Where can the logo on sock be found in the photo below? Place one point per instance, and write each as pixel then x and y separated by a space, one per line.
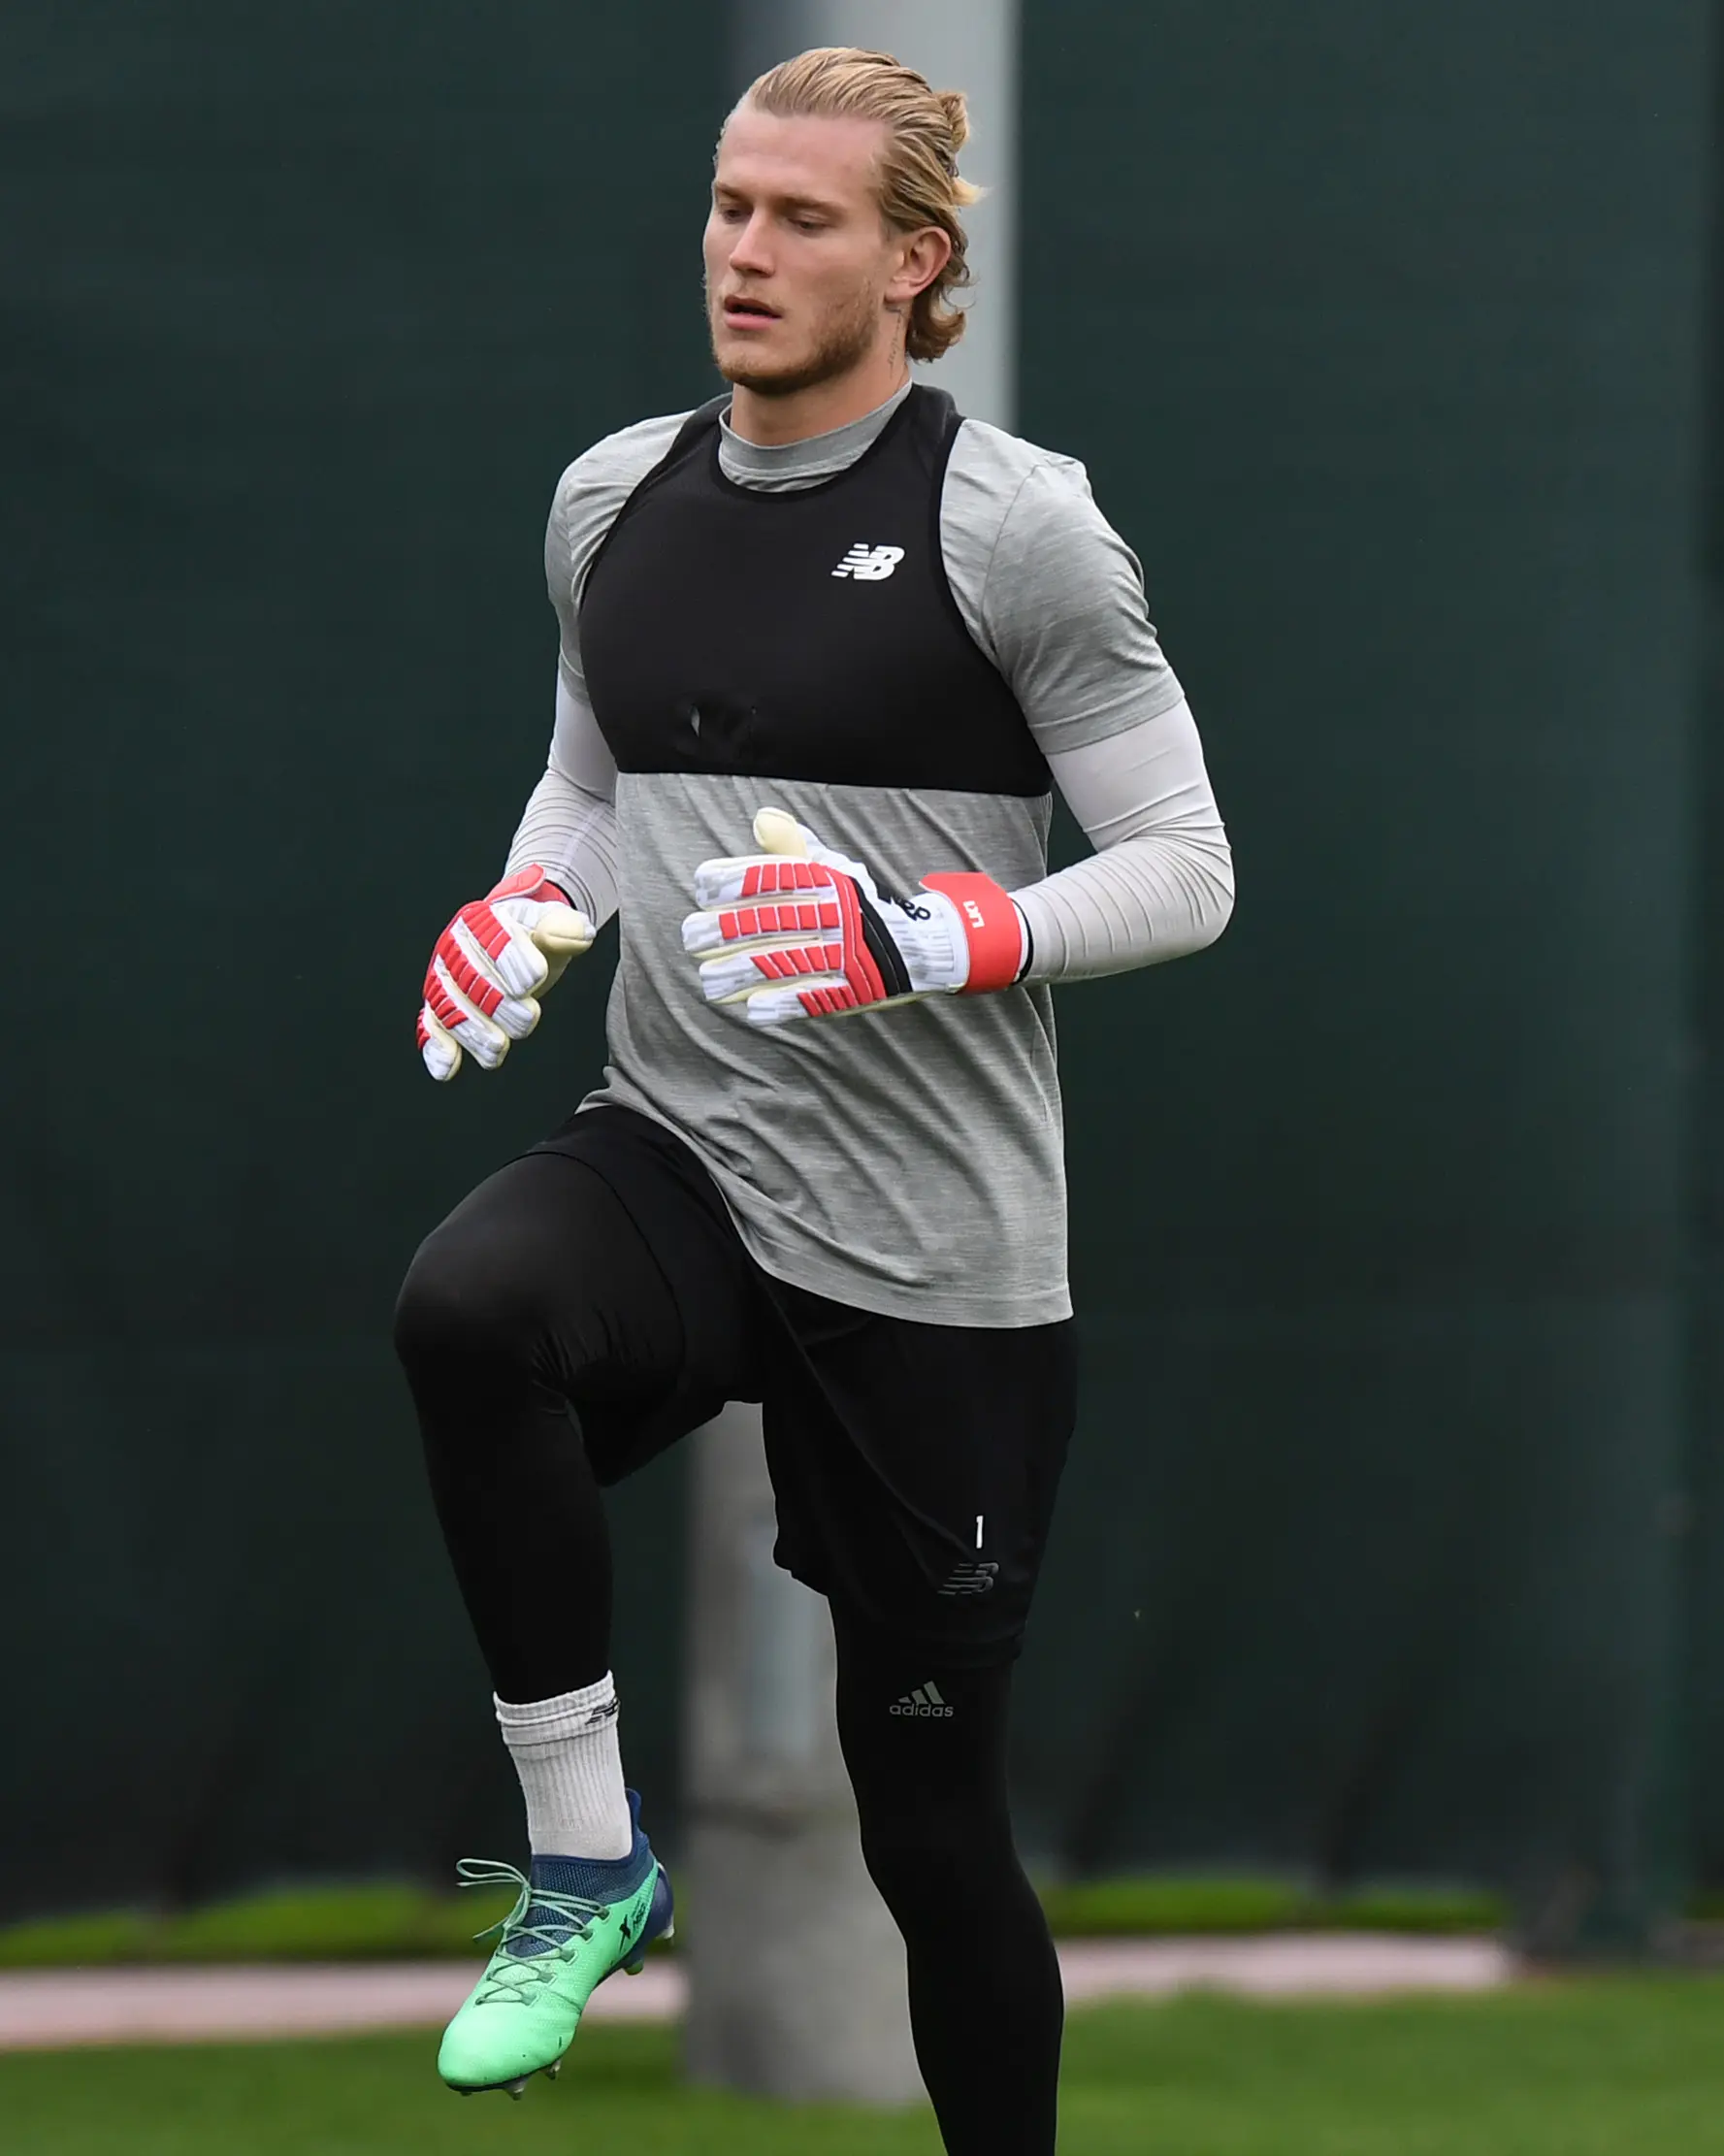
pixel 605 1712
pixel 924 1704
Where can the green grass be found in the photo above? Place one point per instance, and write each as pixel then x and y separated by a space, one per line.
pixel 1169 1907
pixel 387 1923
pixel 1619 2066
pixel 339 1923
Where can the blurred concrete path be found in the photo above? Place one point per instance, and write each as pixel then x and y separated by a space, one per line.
pixel 54 2009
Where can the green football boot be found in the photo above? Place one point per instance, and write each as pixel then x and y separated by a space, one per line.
pixel 575 1921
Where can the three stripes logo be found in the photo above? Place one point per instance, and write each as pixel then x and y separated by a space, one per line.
pixel 924 1704
pixel 869 565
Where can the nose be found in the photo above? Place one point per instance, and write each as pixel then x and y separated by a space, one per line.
pixel 749 256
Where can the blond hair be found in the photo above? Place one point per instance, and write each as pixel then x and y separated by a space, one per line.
pixel 918 178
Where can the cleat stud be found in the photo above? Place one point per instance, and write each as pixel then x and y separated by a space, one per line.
pixel 635 1967
pixel 552 2070
pixel 670 1930
pixel 517 2089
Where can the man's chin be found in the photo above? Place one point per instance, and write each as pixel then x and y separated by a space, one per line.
pixel 745 369
pixel 760 385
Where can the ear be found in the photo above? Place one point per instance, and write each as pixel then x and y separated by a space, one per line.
pixel 922 256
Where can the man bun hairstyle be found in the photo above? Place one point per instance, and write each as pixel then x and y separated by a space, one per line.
pixel 918 178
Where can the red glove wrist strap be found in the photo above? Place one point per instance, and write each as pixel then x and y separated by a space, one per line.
pixel 530 882
pixel 992 926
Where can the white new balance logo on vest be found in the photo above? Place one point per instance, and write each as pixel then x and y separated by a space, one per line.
pixel 872 564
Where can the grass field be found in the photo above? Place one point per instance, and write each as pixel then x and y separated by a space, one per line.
pixel 398 1921
pixel 1619 2066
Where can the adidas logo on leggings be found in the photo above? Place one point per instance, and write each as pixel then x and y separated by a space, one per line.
pixel 924 1701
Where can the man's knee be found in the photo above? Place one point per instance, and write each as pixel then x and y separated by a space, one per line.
pixel 930 1805
pixel 905 1846
pixel 459 1303
pixel 922 1854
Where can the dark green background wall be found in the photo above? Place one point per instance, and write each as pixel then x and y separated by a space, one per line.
pixel 1379 329
pixel 1381 332
pixel 1703 1511
pixel 305 310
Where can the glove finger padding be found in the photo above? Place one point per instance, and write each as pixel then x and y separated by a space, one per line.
pixel 437 1047
pixel 469 1027
pixel 490 965
pixel 804 931
pixel 781 840
pixel 481 985
pixel 496 943
pixel 772 902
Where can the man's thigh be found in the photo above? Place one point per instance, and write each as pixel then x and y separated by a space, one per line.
pixel 672 1312
pixel 591 1270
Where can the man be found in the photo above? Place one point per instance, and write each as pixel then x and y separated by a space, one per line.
pixel 825 650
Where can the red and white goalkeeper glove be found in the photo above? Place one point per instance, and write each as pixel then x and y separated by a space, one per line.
pixel 798 930
pixel 491 964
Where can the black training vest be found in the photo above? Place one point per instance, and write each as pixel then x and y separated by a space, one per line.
pixel 802 635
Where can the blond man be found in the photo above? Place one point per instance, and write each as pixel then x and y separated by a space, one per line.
pixel 827 649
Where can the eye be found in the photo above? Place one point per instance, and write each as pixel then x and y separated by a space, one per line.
pixel 809 224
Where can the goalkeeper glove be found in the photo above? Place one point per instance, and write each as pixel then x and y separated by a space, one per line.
pixel 491 964
pixel 798 931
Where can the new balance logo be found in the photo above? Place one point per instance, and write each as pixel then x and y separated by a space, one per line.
pixel 871 564
pixel 925 1702
pixel 970 1578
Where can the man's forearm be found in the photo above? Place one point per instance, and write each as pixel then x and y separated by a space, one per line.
pixel 569 825
pixel 1160 885
pixel 572 833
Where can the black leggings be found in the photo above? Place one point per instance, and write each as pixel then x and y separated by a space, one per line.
pixel 540 1295
pixel 985 2005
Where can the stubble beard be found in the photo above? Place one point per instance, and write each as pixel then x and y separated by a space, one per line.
pixel 846 337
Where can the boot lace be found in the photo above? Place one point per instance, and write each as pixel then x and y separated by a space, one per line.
pixel 561 1923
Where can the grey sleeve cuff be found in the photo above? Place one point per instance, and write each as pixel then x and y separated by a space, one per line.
pixel 1160 885
pixel 570 827
pixel 572 837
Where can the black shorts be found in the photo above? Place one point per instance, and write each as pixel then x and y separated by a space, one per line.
pixel 914 1466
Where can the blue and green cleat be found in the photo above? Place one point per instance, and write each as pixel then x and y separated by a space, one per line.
pixel 575 1921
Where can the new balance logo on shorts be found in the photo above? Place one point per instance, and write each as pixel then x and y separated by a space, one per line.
pixel 871 564
pixel 970 1578
pixel 925 1702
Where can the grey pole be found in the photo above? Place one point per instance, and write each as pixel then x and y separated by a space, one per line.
pixel 796 1972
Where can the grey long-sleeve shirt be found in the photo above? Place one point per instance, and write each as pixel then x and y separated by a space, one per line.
pixel 1054 598
pixel 1051 594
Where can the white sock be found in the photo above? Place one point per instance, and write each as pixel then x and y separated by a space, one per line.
pixel 565 1752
